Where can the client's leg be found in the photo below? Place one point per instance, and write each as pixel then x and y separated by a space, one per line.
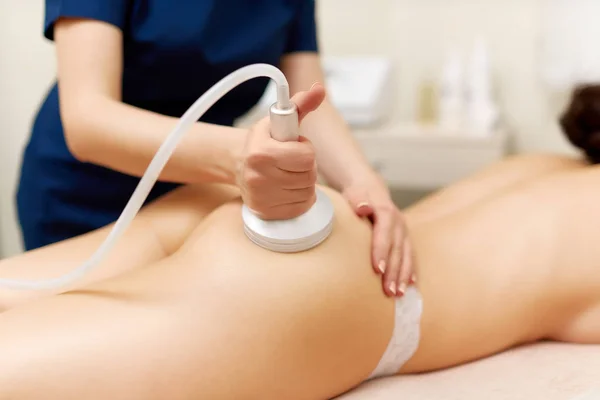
pixel 489 182
pixel 158 230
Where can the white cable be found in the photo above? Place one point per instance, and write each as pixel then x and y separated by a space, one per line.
pixel 191 116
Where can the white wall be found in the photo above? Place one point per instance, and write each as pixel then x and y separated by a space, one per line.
pixel 413 32
pixel 26 69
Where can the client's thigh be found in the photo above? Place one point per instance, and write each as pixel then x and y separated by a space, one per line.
pixel 220 319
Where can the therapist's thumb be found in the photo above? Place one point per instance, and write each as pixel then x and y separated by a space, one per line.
pixel 309 101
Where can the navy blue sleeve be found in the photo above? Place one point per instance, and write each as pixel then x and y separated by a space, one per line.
pixel 111 11
pixel 303 32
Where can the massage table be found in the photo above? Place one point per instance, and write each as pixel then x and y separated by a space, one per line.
pixel 546 371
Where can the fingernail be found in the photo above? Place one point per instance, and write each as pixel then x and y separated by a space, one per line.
pixel 364 204
pixel 413 278
pixel 381 266
pixel 393 287
pixel 402 288
pixel 313 85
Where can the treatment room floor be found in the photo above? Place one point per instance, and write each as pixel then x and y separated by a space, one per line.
pixel 547 371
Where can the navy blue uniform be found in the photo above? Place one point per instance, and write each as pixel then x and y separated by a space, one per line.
pixel 174 50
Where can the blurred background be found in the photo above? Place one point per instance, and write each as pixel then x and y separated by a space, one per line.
pixel 447 86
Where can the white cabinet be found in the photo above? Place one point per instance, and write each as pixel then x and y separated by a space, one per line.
pixel 424 158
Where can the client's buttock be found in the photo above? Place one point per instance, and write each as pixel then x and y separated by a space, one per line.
pixel 324 309
pixel 220 319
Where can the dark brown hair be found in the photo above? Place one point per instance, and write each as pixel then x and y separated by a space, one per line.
pixel 581 121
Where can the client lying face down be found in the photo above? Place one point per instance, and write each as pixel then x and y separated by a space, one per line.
pixel 581 121
pixel 187 307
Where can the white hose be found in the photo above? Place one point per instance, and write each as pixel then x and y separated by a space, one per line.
pixel 191 116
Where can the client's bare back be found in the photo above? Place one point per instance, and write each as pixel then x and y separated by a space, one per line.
pixel 492 181
pixel 511 268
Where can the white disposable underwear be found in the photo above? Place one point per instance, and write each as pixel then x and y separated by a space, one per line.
pixel 406 334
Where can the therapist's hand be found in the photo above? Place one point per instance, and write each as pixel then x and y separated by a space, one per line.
pixel 277 179
pixel 391 250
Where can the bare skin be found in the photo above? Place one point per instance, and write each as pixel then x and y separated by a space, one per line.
pixel 189 307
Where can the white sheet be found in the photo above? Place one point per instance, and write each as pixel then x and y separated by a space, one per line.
pixel 548 371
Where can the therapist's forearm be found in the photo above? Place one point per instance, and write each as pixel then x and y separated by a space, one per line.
pixel 125 138
pixel 339 155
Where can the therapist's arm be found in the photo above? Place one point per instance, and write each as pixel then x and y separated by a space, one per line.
pixel 101 129
pixel 339 156
pixel 345 167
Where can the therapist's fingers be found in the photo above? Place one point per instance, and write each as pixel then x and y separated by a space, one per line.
pixel 297 156
pixel 309 101
pixel 383 236
pixel 277 179
pixel 358 198
pixel 392 273
pixel 406 276
pixel 306 102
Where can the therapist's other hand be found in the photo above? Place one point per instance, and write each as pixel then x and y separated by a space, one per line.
pixel 277 179
pixel 391 250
